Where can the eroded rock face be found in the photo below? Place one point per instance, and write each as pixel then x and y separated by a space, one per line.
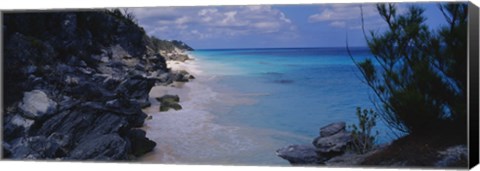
pixel 104 147
pixel 75 90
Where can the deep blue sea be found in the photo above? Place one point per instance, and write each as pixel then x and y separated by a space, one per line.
pixel 294 90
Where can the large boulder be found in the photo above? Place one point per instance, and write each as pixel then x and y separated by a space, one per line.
pixel 169 102
pixel 182 76
pixel 300 154
pixel 332 142
pixel 168 98
pixel 139 143
pixel 36 104
pixel 332 129
pixel 336 143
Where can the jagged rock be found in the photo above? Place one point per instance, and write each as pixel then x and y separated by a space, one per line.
pixel 39 147
pixel 14 125
pixel 333 139
pixel 104 147
pixel 85 84
pixel 180 57
pixel 336 143
pixel 332 128
pixel 36 104
pixel 453 156
pixel 122 106
pixel 140 144
pixel 332 142
pixel 137 87
pixel 90 90
pixel 182 76
pixel 299 154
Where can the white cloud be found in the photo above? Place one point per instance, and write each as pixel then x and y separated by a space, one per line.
pixel 208 22
pixel 350 15
pixel 182 20
pixel 337 12
pixel 339 24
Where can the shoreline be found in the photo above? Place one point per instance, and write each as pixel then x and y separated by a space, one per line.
pixel 192 135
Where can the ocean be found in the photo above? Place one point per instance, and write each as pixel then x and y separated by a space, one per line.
pixel 244 104
pixel 295 90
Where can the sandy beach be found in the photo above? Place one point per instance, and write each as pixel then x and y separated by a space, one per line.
pixel 191 136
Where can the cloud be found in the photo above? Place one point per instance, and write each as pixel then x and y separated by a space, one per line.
pixel 343 12
pixel 340 24
pixel 211 22
pixel 349 16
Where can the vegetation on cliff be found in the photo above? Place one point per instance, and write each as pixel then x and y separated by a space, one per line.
pixel 418 75
pixel 420 83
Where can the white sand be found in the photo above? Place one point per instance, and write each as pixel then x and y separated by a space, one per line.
pixel 190 136
pixel 184 136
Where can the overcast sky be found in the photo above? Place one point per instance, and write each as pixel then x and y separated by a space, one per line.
pixel 269 26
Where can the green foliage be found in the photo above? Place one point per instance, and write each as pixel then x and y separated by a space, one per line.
pixel 420 74
pixel 169 46
pixel 363 137
pixel 125 15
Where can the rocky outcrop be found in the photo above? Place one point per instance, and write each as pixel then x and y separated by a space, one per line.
pixel 182 76
pixel 332 142
pixel 176 57
pixel 350 158
pixel 335 143
pixel 455 156
pixel 75 83
pixel 168 102
pixel 300 154
pixel 332 129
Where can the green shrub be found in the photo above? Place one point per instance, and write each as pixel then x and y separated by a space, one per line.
pixel 362 135
pixel 418 74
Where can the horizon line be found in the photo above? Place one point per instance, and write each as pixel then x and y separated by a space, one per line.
pixel 233 48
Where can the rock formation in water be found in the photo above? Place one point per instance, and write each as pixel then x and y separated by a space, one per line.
pixel 333 141
pixel 331 149
pixel 75 83
pixel 168 102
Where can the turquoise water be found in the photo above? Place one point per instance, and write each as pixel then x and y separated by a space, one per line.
pixel 295 90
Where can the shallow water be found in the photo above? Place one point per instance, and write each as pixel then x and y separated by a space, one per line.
pixel 293 90
pixel 245 104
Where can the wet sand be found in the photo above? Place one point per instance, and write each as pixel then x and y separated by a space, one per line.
pixel 191 135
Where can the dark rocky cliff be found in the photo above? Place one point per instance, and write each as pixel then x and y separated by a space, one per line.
pixel 75 83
